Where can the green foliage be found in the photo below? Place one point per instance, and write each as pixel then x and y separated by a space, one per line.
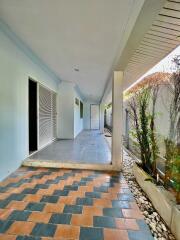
pixel 144 129
pixel 175 172
pixel 172 165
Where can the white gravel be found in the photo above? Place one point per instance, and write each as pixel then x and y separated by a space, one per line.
pixel 157 226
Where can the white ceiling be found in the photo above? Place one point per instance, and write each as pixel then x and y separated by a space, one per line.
pixel 162 37
pixel 67 34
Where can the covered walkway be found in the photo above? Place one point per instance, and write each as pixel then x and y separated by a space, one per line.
pixel 89 147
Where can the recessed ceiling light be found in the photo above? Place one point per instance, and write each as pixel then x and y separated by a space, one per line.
pixel 76 69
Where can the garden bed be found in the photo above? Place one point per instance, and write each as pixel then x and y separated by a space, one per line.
pixel 162 200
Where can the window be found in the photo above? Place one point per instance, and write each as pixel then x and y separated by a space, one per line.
pixel 81 109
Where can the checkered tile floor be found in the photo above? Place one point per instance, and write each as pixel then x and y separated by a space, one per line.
pixel 42 204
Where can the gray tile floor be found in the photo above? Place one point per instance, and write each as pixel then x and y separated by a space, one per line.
pixel 88 147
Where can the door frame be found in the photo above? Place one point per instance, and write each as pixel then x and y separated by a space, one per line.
pixel 54 139
pixel 99 115
pixel 37 122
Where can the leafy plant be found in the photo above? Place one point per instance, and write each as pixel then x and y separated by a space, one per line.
pixel 144 126
pixel 176 177
pixel 172 143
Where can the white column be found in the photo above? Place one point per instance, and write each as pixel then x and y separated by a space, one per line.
pixel 117 120
pixel 102 109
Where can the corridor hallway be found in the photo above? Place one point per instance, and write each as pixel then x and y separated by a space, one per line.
pixel 89 147
pixel 39 204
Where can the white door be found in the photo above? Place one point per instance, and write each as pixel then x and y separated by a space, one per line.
pixel 94 117
pixel 47 116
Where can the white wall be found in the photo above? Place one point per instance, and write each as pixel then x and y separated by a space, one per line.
pixel 78 122
pixel 15 69
pixel 162 120
pixel 87 114
pixel 69 122
pixel 65 111
pixel 86 122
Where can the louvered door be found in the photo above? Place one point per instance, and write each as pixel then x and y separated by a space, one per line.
pixel 54 116
pixel 47 116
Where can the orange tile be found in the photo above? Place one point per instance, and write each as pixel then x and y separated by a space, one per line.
pixel 54 187
pixel 111 196
pixel 45 191
pixel 4 195
pixel 131 224
pixel 18 205
pixel 28 185
pixel 17 190
pixel 21 228
pixel 134 205
pixel 32 198
pixel 85 189
pixel 7 237
pixel 128 224
pixel 132 213
pixel 120 223
pixel 76 194
pixel 54 207
pixel 91 210
pixel 82 220
pixel 4 214
pixel 67 200
pixel 115 189
pixel 102 203
pixel 113 234
pixel 67 231
pixel 40 217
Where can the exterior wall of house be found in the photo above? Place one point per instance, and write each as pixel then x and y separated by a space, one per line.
pixel 108 117
pixel 87 124
pixel 15 69
pixel 78 121
pixel 69 122
pixel 87 114
pixel 65 111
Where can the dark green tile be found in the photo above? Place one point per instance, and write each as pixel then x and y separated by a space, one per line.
pixel 17 215
pixel 61 192
pixel 42 186
pixel 16 197
pixel 125 197
pixel 104 222
pixel 44 230
pixel 4 226
pixel 14 185
pixel 90 233
pixel 52 181
pixel 101 189
pixel 4 203
pixel 61 218
pixel 71 188
pixel 120 204
pixel 81 183
pixel 33 206
pixel 27 238
pixel 3 189
pixel 84 201
pixel 112 212
pixel 138 235
pixel 73 209
pixel 142 225
pixel 49 199
pixel 30 191
pixel 93 194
